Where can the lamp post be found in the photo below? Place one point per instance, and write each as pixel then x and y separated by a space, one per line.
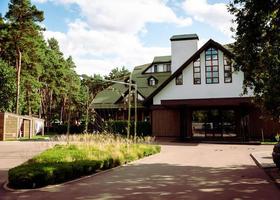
pixel 130 84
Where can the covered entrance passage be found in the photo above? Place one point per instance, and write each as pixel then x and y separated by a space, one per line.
pixel 214 123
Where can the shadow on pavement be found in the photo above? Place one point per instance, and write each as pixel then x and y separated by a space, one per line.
pixel 163 181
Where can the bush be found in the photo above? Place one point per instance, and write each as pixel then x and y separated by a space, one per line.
pixel 62 129
pixel 66 162
pixel 120 127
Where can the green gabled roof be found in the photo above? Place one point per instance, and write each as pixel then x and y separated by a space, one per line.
pixel 142 79
pixel 162 59
pixel 109 97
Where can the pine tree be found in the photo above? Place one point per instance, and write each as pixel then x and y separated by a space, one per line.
pixel 22 18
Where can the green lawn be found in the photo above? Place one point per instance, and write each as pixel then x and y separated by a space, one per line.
pixel 84 155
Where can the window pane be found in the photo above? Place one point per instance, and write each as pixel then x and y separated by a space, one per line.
pixel 225 62
pixel 179 80
pixel 208 52
pixel 168 67
pixel 197 69
pixel 208 80
pixel 214 51
pixel 215 57
pixel 208 69
pixel 197 75
pixel 215 80
pixel 215 74
pixel 208 74
pixel 227 68
pixel 208 57
pixel 215 68
pixel 160 68
pixel 208 63
pixel 197 81
pixel 227 80
pixel 155 68
pixel 215 62
pixel 196 64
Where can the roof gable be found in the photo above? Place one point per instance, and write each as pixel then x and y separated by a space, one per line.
pixel 209 43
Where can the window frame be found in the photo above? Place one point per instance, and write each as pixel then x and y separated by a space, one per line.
pixel 194 72
pixel 227 71
pixel 179 81
pixel 155 68
pixel 212 66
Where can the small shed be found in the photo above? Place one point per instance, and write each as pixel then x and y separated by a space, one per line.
pixel 13 126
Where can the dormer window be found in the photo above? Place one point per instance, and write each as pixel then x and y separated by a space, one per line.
pixel 152 81
pixel 179 79
pixel 158 68
pixel 211 66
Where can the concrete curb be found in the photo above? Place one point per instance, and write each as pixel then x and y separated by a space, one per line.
pixel 7 188
pixel 258 158
pixel 267 169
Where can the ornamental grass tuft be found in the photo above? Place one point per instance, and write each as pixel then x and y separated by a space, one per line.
pixel 82 155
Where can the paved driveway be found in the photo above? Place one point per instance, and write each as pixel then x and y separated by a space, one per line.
pixel 14 153
pixel 180 171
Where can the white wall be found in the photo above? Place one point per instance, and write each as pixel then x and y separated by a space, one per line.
pixel 203 91
pixel 181 51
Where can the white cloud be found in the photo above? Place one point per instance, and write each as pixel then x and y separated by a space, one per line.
pixel 215 14
pixel 109 35
pixel 100 51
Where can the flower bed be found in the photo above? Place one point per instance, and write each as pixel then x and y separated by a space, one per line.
pixel 67 162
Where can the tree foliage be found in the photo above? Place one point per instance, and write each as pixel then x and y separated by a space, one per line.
pixel 257 49
pixel 118 73
pixel 7 85
pixel 38 73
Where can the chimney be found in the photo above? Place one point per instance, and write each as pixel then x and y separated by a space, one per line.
pixel 182 48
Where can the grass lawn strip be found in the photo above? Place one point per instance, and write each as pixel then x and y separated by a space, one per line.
pixel 67 162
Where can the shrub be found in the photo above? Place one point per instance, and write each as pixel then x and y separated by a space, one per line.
pixel 66 162
pixel 120 127
pixel 62 129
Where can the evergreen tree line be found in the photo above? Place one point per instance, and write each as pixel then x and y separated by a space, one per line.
pixel 35 77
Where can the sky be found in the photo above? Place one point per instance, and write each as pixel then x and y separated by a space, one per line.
pixel 103 34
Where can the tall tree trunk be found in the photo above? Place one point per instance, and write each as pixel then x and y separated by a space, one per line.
pixel 18 69
pixel 50 112
pixel 62 110
pixel 28 102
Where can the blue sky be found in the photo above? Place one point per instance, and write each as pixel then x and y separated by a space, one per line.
pixel 103 34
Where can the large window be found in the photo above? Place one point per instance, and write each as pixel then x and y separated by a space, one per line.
pixel 196 72
pixel 211 66
pixel 179 79
pixel 227 70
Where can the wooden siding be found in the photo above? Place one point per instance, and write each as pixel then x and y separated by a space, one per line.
pixel 27 128
pixel 259 123
pixel 11 126
pixel 166 123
